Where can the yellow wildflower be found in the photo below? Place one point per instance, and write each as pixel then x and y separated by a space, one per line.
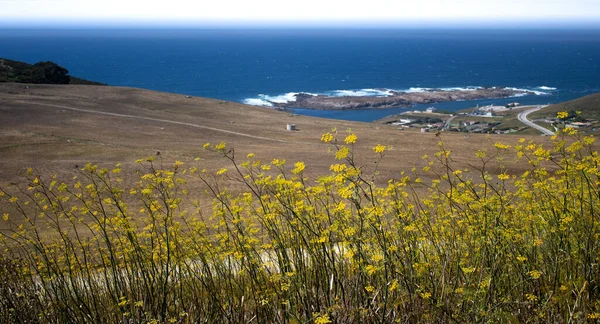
pixel 379 148
pixel 221 146
pixel 299 167
pixel 322 319
pixel 342 153
pixel 327 137
pixel 503 176
pixel 350 139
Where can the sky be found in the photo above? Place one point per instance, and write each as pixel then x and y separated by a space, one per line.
pixel 287 12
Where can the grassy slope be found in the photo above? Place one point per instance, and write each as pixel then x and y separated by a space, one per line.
pixel 38 132
pixel 588 105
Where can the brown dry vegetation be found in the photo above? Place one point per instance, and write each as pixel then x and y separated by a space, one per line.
pixel 516 247
pixel 44 127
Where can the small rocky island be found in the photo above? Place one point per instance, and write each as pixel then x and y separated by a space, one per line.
pixel 398 99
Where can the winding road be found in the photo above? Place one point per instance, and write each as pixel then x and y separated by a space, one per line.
pixel 523 118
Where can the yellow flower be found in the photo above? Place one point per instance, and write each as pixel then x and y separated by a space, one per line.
pixel 503 176
pixel 370 269
pixel 379 148
pixel 350 139
pixel 221 146
pixel 322 319
pixel 480 154
pixel 535 274
pixel 501 146
pixel 377 257
pixel 299 167
pixel 562 114
pixel 222 171
pixel 327 137
pixel 531 297
pixel 342 153
pixel 278 162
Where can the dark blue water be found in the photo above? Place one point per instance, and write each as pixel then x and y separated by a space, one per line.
pixel 242 65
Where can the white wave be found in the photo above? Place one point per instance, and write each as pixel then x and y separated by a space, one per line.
pixel 536 92
pixel 271 100
pixel 419 89
pixel 519 95
pixel 469 88
pixel 257 102
pixel 546 88
pixel 412 90
pixel 360 93
pixel 283 98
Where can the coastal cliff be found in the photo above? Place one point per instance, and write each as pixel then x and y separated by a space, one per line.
pixel 397 99
pixel 38 73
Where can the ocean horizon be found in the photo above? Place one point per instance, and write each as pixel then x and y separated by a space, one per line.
pixel 263 66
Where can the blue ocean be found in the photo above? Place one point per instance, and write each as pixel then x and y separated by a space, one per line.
pixel 259 66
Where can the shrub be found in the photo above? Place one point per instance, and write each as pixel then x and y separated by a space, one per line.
pixel 475 247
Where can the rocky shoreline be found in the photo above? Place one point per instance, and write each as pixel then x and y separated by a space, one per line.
pixel 397 99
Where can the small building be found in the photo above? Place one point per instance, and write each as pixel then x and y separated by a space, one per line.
pixel 431 110
pixel 291 127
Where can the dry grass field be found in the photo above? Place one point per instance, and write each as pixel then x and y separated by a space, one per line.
pixel 304 243
pixel 53 128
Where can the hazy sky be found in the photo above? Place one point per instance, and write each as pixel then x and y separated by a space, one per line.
pixel 290 12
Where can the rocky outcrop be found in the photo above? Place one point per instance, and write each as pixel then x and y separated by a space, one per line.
pixel 38 73
pixel 397 99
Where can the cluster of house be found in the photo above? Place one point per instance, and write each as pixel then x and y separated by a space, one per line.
pixel 476 127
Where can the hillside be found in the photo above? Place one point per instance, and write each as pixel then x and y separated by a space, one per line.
pixel 55 127
pixel 170 237
pixel 589 106
pixel 38 73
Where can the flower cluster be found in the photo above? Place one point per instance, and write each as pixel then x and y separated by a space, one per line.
pixel 276 246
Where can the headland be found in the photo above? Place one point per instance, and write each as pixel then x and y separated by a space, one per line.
pixel 397 99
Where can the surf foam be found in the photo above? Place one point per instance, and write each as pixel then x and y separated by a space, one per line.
pixel 270 100
pixel 257 102
pixel 360 93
